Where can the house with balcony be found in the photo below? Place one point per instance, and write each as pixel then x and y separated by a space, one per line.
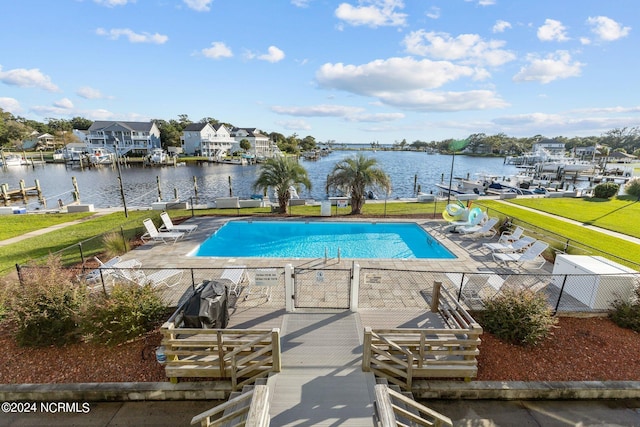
pixel 551 146
pixel 131 137
pixel 207 140
pixel 39 141
pixel 260 144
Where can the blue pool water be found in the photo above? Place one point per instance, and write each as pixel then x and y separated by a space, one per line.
pixel 296 239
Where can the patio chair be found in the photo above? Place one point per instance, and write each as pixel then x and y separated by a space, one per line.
pixel 94 276
pixel 167 225
pixel 482 230
pixel 154 235
pixel 511 236
pixel 236 275
pixel 476 286
pixel 530 255
pixel 168 277
pixel 516 246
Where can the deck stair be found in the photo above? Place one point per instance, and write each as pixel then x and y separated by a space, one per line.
pixel 393 407
pixel 249 407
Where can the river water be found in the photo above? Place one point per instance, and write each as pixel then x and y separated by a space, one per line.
pixel 100 186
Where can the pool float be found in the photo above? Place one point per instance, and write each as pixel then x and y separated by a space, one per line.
pixel 455 212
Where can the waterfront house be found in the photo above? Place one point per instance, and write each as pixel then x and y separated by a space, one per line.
pixel 205 139
pixel 551 146
pixel 260 144
pixel 40 141
pixel 131 137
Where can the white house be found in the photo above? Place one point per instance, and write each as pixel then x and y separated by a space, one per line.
pixel 130 136
pixel 212 141
pixel 260 144
pixel 549 145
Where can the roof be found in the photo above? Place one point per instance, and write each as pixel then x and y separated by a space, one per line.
pixel 134 126
pixel 195 127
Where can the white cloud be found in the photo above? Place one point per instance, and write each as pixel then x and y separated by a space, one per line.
pixel 294 124
pixel 87 92
pixel 468 48
pixel 10 104
pixel 132 36
pixel 112 3
pixel 376 117
pixel 433 12
pixel 500 26
pixel 483 2
pixel 606 29
pixel 300 3
pixel 390 75
pixel 217 50
pixel 552 30
pixel 64 103
pixel 274 55
pixel 323 110
pixel 22 77
pixel 199 5
pixel 372 13
pixel 558 65
pixel 422 100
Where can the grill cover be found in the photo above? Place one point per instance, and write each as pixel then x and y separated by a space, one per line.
pixel 208 307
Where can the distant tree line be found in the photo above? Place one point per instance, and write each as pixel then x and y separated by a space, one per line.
pixel 15 129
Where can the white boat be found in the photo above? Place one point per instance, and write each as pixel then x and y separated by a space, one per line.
pixel 12 160
pixel 100 156
pixel 464 186
pixel 158 155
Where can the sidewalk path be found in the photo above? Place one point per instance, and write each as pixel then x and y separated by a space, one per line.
pixel 571 221
pixel 46 230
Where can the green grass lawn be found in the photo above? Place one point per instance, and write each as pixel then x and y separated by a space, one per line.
pixel 564 231
pixel 17 225
pixel 616 214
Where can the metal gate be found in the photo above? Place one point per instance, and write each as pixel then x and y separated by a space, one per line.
pixel 322 288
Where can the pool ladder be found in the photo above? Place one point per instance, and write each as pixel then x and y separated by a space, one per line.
pixel 326 254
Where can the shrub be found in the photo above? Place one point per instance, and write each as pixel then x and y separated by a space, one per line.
pixel 606 190
pixel 632 187
pixel 519 316
pixel 115 244
pixel 128 312
pixel 626 313
pixel 46 306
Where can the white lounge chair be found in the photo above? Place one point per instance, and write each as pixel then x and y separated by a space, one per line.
pixel 517 246
pixel 511 236
pixel 168 277
pixel 236 275
pixel 94 275
pixel 154 235
pixel 532 254
pixel 167 225
pixel 482 230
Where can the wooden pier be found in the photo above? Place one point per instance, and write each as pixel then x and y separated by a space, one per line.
pixel 23 192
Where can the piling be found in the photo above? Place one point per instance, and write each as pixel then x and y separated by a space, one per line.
pixel 159 190
pixel 76 191
pixel 230 187
pixel 195 188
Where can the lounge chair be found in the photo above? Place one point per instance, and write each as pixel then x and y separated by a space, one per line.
pixel 530 255
pixel 476 286
pixel 516 246
pixel 167 225
pixel 154 235
pixel 481 230
pixel 511 236
pixel 94 275
pixel 168 277
pixel 236 275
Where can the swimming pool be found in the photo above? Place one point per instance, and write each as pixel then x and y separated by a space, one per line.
pixel 297 239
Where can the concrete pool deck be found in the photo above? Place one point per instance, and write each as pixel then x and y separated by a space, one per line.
pixel 158 255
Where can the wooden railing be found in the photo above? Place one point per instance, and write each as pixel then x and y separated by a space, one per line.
pixel 394 409
pixel 249 409
pixel 400 355
pixel 240 355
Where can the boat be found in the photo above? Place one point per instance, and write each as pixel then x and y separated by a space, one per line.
pixel 157 156
pixel 101 156
pixel 464 186
pixel 12 160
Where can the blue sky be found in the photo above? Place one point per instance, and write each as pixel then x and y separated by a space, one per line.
pixel 353 71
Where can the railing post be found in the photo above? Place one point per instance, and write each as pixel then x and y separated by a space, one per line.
pixel 19 271
pixel 355 287
pixel 277 351
pixel 366 349
pixel 435 298
pixel 564 281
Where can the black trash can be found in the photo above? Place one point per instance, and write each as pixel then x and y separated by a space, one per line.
pixel 208 307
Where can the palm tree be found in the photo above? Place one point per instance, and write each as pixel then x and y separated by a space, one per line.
pixel 355 174
pixel 281 174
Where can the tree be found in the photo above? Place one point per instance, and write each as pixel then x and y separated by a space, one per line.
pixel 80 123
pixel 308 143
pixel 245 144
pixel 281 174
pixel 356 174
